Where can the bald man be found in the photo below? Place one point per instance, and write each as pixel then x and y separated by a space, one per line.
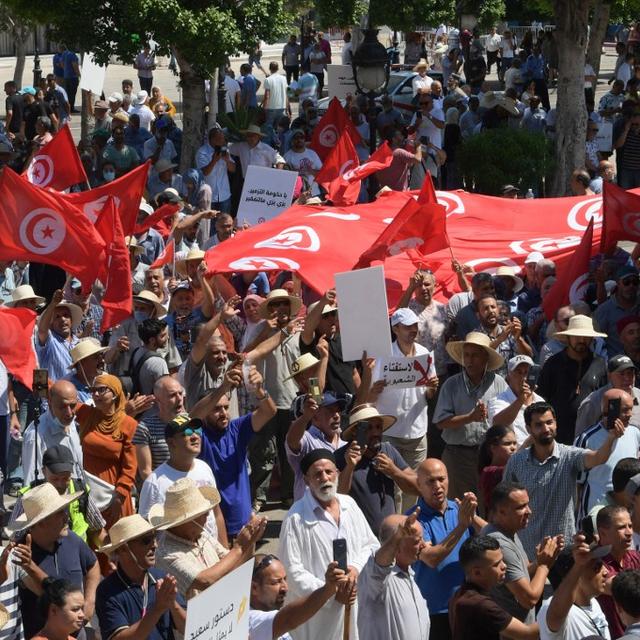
pixel 446 525
pixel 391 605
pixel 57 425
pixel 597 481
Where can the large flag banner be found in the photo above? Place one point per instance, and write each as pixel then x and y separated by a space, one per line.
pixel 621 216
pixel 127 192
pixel 41 226
pixel 16 343
pixel 329 129
pixel 57 165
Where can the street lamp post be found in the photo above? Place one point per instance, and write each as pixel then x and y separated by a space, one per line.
pixel 37 71
pixel 371 75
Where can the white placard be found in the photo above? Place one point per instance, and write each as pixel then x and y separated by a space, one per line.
pixel 92 75
pixel 401 373
pixel 362 310
pixel 222 610
pixel 340 81
pixel 266 193
pixel 604 137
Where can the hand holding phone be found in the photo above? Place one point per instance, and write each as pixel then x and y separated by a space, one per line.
pixel 613 412
pixel 362 434
pixel 340 553
pixel 314 390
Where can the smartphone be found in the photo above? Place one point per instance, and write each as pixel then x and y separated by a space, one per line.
pixel 532 376
pixel 340 553
pixel 314 390
pixel 586 526
pixel 613 412
pixel 424 140
pixel 362 434
pixel 41 382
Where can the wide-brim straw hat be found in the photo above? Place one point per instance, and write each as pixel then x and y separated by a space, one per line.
pixel 366 413
pixel 148 297
pixel 303 363
pixel 421 64
pixel 455 349
pixel 508 272
pixel 40 503
pixel 580 326
pixel 132 244
pixel 280 294
pixel 21 293
pixel 253 128
pixel 491 100
pixel 74 310
pixel 326 309
pixel 84 349
pixel 193 254
pixel 125 530
pixel 183 502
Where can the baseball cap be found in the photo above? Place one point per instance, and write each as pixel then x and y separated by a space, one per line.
pixel 620 363
pixel 163 122
pixel 534 256
pixel 329 399
pixel 101 104
pixel 58 459
pixel 181 422
pixel 146 207
pixel 517 360
pixel 404 317
pixel 625 271
pixel 115 97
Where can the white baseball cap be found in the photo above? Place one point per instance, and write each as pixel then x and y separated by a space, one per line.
pixel 519 359
pixel 534 256
pixel 404 316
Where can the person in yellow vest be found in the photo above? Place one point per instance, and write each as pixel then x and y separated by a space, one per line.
pixel 84 517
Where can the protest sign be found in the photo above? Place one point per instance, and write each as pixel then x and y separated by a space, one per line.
pixel 362 310
pixel 222 610
pixel 340 81
pixel 401 373
pixel 92 75
pixel 266 193
pixel 604 137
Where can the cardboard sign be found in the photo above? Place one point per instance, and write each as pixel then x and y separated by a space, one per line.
pixel 402 373
pixel 604 137
pixel 362 310
pixel 340 81
pixel 92 75
pixel 222 610
pixel 266 193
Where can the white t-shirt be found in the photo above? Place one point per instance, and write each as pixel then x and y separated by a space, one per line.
pixel 493 42
pixel 145 114
pixel 420 82
pixel 579 623
pixel 261 625
pixel 276 83
pixel 232 87
pixel 347 53
pixel 507 47
pixel 304 162
pixel 502 401
pixel 427 128
pixel 588 71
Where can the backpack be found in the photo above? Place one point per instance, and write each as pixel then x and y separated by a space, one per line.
pixel 131 380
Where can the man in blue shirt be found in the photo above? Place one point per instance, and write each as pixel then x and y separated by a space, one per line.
pixel 446 525
pixel 137 600
pixel 71 65
pixel 249 90
pixel 225 442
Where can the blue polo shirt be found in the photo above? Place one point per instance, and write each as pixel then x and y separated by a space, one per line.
pixel 55 354
pixel 119 605
pixel 225 451
pixel 70 560
pixel 248 91
pixel 68 60
pixel 439 584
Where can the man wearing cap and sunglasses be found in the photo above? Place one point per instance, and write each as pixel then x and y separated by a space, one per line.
pixel 137 600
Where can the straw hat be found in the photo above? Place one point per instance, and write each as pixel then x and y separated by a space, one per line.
pixel 252 128
pixel 491 100
pixel 40 503
pixel 148 297
pixel 184 501
pixel 84 349
pixel 21 293
pixel 74 310
pixel 454 349
pixel 304 362
pixel 581 326
pixel 422 64
pixel 508 272
pixel 132 244
pixel 366 413
pixel 326 309
pixel 193 254
pixel 280 294
pixel 125 530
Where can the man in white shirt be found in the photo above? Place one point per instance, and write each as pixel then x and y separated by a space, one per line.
pixel 216 163
pixel 306 546
pixel 232 87
pixel 507 408
pixel 625 71
pixel 305 161
pixel 254 151
pixel 276 100
pixel 429 121
pixel 140 106
pixel 422 82
pixel 347 49
pixel 492 45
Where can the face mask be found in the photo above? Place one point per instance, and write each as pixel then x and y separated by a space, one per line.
pixel 109 175
pixel 140 316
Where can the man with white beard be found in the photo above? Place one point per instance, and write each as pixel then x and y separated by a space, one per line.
pixel 306 546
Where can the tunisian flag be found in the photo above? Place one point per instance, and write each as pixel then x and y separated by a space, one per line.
pixel 156 220
pixel 620 216
pixel 573 278
pixel 127 192
pixel 167 256
pixel 116 270
pixel 16 343
pixel 330 127
pixel 41 226
pixel 57 165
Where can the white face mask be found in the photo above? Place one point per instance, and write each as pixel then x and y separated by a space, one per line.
pixel 109 176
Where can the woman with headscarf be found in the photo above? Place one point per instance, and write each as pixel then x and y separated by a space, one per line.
pixel 106 434
pixel 159 103
pixel 196 194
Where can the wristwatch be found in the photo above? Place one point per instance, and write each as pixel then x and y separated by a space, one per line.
pixel 264 397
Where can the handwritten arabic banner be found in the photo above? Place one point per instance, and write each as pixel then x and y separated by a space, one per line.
pixel 266 193
pixel 401 373
pixel 221 612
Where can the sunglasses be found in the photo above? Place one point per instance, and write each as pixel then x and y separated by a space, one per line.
pixel 99 391
pixel 190 432
pixel 631 281
pixel 147 540
pixel 263 564
pixel 278 303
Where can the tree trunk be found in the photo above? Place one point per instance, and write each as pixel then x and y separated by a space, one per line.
pixel 571 17
pixel 213 99
pixel 193 116
pixel 20 34
pixel 599 24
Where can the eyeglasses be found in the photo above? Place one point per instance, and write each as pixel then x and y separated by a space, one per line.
pixel 188 432
pixel 263 564
pixel 99 391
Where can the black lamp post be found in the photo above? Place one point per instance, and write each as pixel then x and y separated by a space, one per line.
pixel 371 75
pixel 37 71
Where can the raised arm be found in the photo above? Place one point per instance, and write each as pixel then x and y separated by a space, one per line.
pixel 299 425
pixel 594 458
pixel 199 349
pixel 47 317
pixel 266 408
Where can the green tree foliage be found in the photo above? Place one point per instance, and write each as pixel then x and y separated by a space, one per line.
pixel 405 16
pixel 340 13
